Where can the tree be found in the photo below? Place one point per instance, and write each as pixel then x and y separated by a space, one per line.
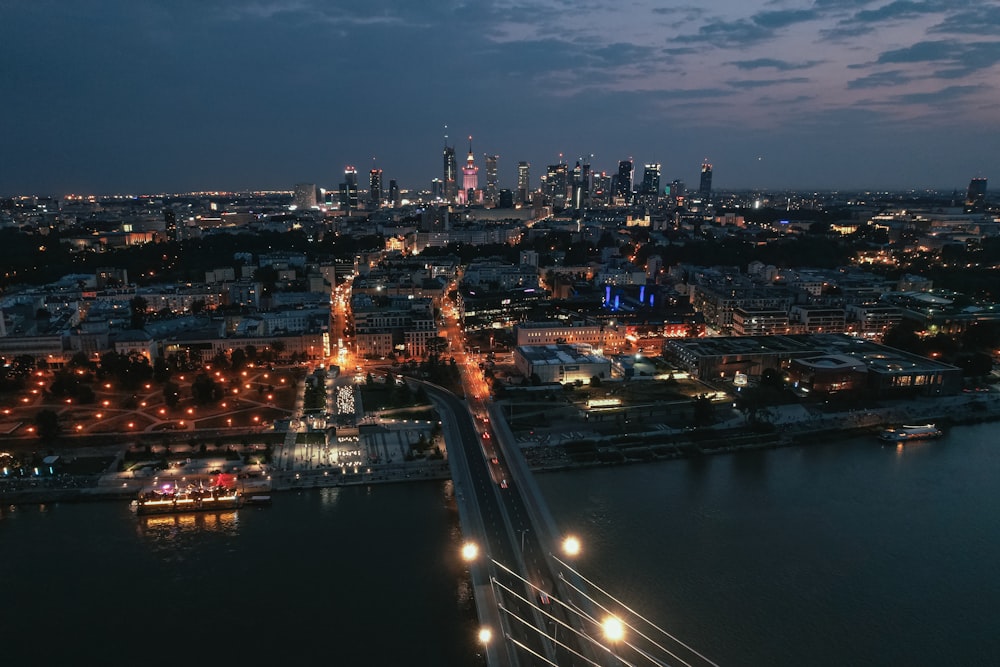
pixel 137 308
pixel 47 424
pixel 703 410
pixel 205 390
pixel 437 345
pixel 171 394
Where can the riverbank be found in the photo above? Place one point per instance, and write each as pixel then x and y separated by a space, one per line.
pixel 791 426
pixel 568 449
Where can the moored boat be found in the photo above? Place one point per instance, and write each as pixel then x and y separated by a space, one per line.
pixel 905 433
pixel 169 499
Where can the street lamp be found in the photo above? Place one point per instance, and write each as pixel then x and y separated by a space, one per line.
pixel 571 546
pixel 614 629
pixel 470 551
pixel 485 635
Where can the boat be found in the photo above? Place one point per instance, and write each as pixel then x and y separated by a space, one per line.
pixel 906 433
pixel 170 499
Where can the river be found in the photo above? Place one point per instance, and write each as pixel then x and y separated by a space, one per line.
pixel 847 553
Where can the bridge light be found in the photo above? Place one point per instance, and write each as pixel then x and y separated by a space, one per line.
pixel 571 546
pixel 485 635
pixel 470 552
pixel 614 629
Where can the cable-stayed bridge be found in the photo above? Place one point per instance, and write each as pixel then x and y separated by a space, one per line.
pixel 535 607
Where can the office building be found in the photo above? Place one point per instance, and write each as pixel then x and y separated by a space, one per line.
pixel 375 188
pixel 977 192
pixel 523 181
pixel 705 187
pixel 349 189
pixel 450 182
pixel 490 196
pixel 651 183
pixel 305 196
pixel 393 192
pixel 623 186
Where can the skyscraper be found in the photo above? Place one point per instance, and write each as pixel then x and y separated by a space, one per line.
pixel 349 189
pixel 375 188
pixel 393 192
pixel 651 183
pixel 977 192
pixel 305 196
pixel 557 184
pixel 491 193
pixel 169 228
pixel 523 181
pixel 450 181
pixel 705 187
pixel 470 180
pixel 624 184
pixel 601 190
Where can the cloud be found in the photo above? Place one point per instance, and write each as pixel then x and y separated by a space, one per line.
pixel 956 58
pixel 784 18
pixel 782 65
pixel 728 34
pixel 763 83
pixel 983 20
pixel 902 9
pixel 945 95
pixel 893 77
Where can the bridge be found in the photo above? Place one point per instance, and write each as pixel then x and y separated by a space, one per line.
pixel 534 606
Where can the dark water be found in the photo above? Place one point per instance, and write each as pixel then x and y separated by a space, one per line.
pixel 836 554
pixel 351 576
pixel 841 554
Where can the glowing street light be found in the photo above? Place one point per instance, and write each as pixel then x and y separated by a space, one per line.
pixel 485 635
pixel 470 551
pixel 614 629
pixel 571 546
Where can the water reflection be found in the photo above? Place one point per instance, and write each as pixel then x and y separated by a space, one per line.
pixel 329 496
pixel 171 527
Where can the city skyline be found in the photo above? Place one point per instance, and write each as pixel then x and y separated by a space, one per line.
pixel 786 94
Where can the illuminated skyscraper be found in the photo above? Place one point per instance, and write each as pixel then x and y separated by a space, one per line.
pixel 169 228
pixel 557 184
pixel 651 183
pixel 601 190
pixel 393 192
pixel 977 192
pixel 470 180
pixel 491 193
pixel 705 187
pixel 375 188
pixel 349 189
pixel 305 196
pixel 523 181
pixel 623 187
pixel 450 183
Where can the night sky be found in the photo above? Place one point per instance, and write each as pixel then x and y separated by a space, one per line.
pixel 106 96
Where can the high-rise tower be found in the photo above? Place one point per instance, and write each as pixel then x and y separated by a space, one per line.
pixel 651 183
pixel 450 181
pixel 624 184
pixel 305 196
pixel 491 194
pixel 523 181
pixel 705 187
pixel 349 189
pixel 375 188
pixel 393 192
pixel 977 192
pixel 470 180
